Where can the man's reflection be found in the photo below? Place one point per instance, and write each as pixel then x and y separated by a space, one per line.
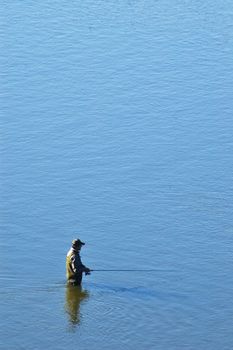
pixel 75 295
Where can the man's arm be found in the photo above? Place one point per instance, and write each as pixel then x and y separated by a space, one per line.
pixel 79 266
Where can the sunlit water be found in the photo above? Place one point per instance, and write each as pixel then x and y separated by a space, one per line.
pixel 116 127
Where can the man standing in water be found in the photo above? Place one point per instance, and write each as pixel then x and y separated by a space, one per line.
pixel 74 265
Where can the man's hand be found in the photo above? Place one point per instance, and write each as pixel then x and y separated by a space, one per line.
pixel 87 271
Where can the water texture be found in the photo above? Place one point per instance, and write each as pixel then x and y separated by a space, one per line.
pixel 116 127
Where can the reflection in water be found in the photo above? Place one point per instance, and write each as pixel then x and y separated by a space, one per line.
pixel 75 295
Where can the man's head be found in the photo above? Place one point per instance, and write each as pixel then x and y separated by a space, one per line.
pixel 77 244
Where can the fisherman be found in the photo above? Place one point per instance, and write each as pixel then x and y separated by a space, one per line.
pixel 74 265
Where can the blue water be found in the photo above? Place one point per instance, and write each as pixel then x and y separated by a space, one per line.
pixel 116 127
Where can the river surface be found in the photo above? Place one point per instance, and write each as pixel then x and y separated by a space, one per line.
pixel 116 128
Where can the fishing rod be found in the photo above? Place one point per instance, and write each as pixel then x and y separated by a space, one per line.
pixel 129 270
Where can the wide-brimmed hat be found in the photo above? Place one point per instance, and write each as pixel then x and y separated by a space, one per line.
pixel 77 243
